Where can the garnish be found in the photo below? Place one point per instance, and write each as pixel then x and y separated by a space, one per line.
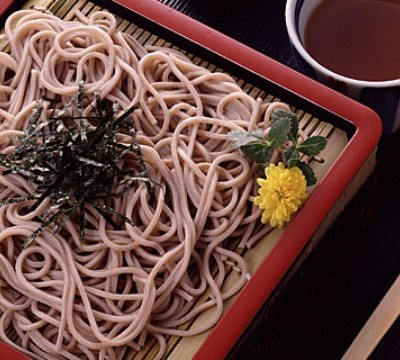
pixel 281 194
pixel 285 188
pixel 74 163
pixel 282 136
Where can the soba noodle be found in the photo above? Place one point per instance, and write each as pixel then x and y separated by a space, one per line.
pixel 60 298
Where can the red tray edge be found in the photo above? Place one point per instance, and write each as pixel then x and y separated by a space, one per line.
pixel 368 132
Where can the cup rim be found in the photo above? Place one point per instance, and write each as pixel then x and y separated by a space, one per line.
pixel 297 43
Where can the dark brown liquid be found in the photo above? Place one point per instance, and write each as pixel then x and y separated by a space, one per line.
pixel 356 38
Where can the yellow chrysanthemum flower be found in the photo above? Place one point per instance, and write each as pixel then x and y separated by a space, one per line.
pixel 281 194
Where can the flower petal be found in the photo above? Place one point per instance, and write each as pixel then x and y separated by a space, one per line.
pixel 281 194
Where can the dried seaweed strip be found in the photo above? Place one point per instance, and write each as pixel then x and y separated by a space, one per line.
pixel 73 164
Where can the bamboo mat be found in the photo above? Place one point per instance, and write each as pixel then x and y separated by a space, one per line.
pixel 184 348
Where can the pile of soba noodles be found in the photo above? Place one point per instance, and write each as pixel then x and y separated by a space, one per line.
pixel 105 297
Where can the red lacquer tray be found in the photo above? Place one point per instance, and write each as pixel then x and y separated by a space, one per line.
pixel 360 123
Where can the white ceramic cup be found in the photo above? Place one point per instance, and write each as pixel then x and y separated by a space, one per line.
pixel 381 96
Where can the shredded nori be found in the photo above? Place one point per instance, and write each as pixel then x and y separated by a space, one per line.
pixel 74 164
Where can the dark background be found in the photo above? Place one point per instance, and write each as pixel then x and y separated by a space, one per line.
pixel 324 306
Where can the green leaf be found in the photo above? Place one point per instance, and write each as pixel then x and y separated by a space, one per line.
pixel 292 162
pixel 313 145
pixel 260 153
pixel 307 171
pixel 242 137
pixel 278 133
pixel 290 154
pixel 279 114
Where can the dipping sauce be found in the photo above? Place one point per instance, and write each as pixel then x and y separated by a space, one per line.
pixel 359 39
